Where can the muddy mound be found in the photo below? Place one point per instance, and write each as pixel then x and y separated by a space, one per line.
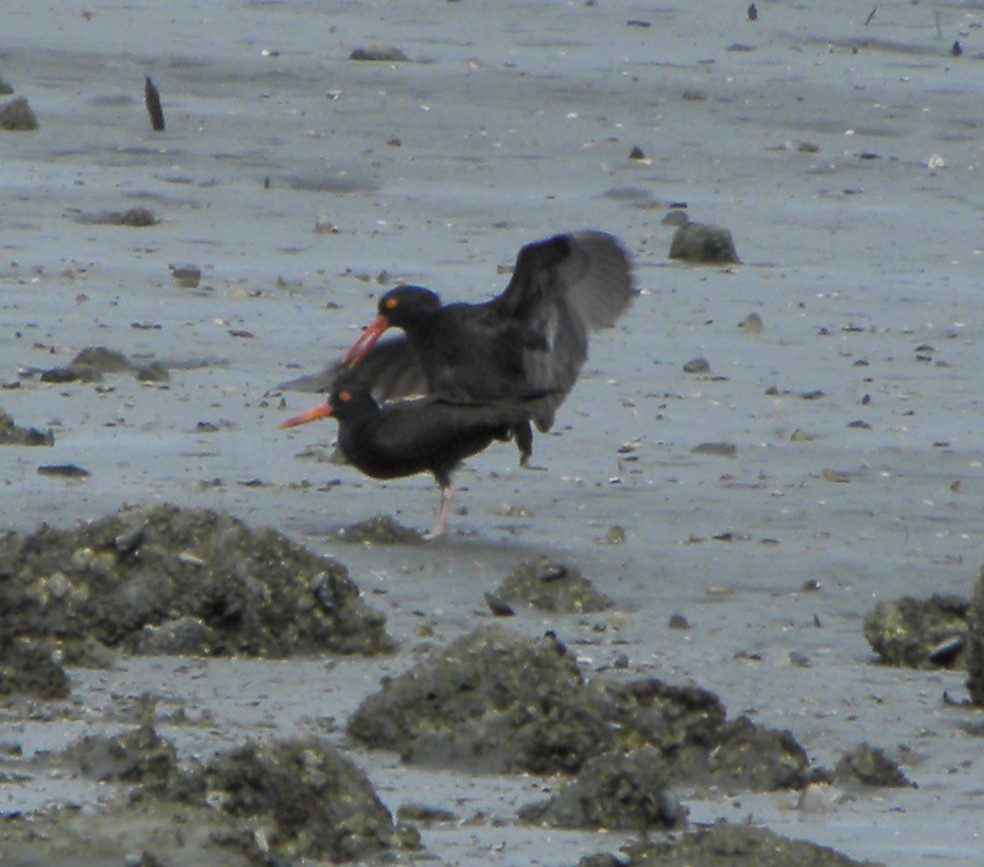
pixel 920 633
pixel 727 845
pixel 614 791
pixel 447 703
pixel 306 799
pixel 495 702
pixel 128 579
pixel 975 644
pixel 379 530
pixel 93 362
pixel 12 434
pixel 253 805
pixel 869 766
pixel 633 790
pixel 551 586
pixel 28 669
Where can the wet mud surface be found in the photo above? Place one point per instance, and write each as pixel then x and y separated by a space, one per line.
pixel 212 650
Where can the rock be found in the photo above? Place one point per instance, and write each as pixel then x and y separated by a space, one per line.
pixel 703 244
pixel 136 756
pixel 751 324
pixel 614 791
pixel 186 276
pixel 494 702
pixel 870 767
pixel 920 633
pixel 102 359
pixel 256 592
pixel 29 669
pixel 64 471
pixel 13 435
pixel 152 101
pixel 93 362
pixel 383 53
pixel 281 803
pixel 726 845
pixel 697 365
pixel 306 797
pixel 719 449
pixel 17 116
pixel 139 217
pixel 184 636
pixel 975 644
pixel 379 530
pixel 152 372
pixel 552 586
pixel 424 813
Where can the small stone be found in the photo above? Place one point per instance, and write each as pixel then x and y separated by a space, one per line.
pixel 59 585
pixel 704 244
pixel 499 607
pixel 186 276
pixel 380 53
pixel 675 217
pixel 423 813
pixel 697 365
pixel 721 449
pixel 324 226
pixel 65 471
pixel 751 323
pixel 815 798
pixel 17 116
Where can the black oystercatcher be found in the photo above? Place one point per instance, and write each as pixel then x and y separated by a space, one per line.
pixel 428 434
pixel 531 338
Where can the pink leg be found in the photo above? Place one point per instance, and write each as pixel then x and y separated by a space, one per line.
pixel 441 524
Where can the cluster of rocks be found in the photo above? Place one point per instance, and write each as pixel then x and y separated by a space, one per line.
pixel 253 805
pixel 92 363
pixel 160 579
pixel 944 631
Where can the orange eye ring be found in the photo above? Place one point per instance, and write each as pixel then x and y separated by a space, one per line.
pixel 345 395
pixel 391 303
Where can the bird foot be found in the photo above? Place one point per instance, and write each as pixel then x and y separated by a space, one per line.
pixel 433 533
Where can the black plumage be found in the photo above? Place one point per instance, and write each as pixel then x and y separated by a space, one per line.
pixel 532 338
pixel 401 438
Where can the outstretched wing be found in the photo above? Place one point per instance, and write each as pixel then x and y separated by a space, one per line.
pixel 389 370
pixel 561 289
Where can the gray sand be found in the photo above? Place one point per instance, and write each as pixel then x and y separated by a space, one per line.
pixel 861 252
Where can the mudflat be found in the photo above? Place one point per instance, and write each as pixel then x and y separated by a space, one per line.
pixel 826 456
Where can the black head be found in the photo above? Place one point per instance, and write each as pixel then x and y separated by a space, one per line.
pixel 407 304
pixel 351 400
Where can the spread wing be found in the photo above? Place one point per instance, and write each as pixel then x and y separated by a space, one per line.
pixel 389 370
pixel 562 288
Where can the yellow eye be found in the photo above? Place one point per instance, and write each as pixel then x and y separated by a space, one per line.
pixel 344 396
pixel 390 303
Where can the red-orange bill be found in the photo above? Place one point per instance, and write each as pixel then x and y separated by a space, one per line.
pixel 366 340
pixel 316 412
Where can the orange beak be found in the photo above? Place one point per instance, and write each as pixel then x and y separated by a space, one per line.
pixel 366 341
pixel 320 411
